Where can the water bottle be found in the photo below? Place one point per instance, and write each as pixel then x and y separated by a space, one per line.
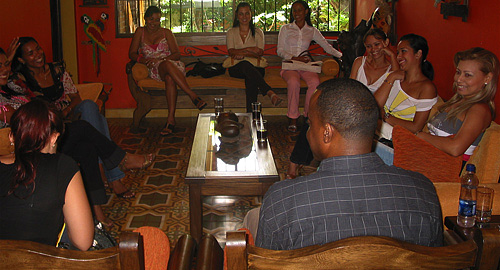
pixel 467 204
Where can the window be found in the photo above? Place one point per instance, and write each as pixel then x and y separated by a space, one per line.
pixel 202 16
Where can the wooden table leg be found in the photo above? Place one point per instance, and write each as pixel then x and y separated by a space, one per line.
pixel 195 212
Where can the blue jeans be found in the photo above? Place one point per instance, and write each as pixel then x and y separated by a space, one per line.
pixel 386 153
pixel 89 112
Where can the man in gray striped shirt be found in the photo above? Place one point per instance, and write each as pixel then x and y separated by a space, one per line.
pixel 353 193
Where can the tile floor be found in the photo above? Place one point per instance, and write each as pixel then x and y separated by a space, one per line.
pixel 162 198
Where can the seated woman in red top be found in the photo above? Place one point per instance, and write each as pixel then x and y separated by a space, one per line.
pixel 39 188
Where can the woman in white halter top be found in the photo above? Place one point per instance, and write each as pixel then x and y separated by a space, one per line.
pixel 372 69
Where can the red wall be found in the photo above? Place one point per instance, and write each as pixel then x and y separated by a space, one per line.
pixel 446 37
pixel 113 60
pixel 26 18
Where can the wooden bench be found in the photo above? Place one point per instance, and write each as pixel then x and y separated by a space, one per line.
pixel 18 254
pixel 150 94
pixel 362 252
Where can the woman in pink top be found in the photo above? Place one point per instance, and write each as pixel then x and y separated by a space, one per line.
pixel 157 48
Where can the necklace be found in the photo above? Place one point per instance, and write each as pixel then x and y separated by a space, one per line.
pixel 243 33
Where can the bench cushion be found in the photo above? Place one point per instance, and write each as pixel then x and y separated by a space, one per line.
pixel 272 77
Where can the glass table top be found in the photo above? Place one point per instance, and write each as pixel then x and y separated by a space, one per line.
pixel 215 156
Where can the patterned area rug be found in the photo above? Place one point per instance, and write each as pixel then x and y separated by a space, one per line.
pixel 162 197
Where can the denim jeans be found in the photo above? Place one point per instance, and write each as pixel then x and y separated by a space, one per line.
pixel 386 153
pixel 89 112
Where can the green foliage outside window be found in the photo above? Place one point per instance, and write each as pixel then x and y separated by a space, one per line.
pixel 197 16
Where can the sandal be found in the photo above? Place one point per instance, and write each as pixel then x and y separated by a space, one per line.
pixel 126 194
pixel 275 100
pixel 167 130
pixel 199 103
pixel 148 160
pixel 107 223
pixel 292 125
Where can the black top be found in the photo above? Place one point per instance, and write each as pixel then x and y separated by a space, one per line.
pixel 38 217
pixel 350 196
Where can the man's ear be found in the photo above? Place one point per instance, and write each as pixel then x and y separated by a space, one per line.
pixel 328 133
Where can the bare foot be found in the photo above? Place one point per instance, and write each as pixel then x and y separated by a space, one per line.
pixel 292 170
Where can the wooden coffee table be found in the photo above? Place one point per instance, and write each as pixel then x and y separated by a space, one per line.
pixel 234 167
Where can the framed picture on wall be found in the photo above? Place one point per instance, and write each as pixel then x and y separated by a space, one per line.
pixel 90 3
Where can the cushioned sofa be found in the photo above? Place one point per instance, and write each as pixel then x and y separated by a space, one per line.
pixel 150 94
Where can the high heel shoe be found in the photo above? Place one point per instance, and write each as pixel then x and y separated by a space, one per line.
pixel 148 160
pixel 167 130
pixel 275 100
pixel 199 103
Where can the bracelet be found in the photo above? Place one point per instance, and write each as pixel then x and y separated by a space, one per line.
pixel 386 116
pixel 386 81
pixel 416 133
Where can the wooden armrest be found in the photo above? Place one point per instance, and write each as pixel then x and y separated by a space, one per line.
pixel 236 250
pixel 90 90
pixel 182 256
pixel 131 250
pixel 210 254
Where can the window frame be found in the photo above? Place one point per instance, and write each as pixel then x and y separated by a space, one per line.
pixel 352 17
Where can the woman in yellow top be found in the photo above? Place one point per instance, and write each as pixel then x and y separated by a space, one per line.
pixel 408 94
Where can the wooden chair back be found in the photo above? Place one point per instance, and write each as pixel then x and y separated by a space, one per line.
pixel 19 254
pixel 181 258
pixel 210 255
pixel 363 252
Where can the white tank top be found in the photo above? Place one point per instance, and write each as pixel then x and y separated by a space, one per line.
pixel 361 77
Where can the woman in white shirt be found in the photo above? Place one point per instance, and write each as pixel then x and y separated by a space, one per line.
pixel 295 38
pixel 244 40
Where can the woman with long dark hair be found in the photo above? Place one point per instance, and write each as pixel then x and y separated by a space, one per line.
pixel 39 188
pixel 52 82
pixel 371 70
pixel 293 39
pixel 407 95
pixel 81 141
pixel 245 40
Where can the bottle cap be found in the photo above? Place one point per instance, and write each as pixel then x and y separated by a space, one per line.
pixel 470 168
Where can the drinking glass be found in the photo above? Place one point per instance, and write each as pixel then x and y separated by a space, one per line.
pixel 218 105
pixel 256 109
pixel 261 126
pixel 484 203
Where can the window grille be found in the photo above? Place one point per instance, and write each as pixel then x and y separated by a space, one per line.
pixel 202 16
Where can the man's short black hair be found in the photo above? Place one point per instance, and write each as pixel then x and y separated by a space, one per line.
pixel 349 106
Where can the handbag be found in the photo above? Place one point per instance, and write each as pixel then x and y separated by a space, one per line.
pixel 299 65
pixel 102 238
pixel 255 61
pixel 205 70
